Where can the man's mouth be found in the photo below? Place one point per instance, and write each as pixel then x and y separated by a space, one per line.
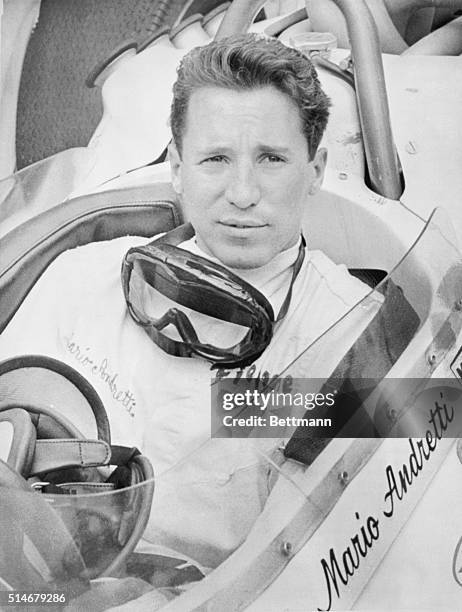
pixel 248 224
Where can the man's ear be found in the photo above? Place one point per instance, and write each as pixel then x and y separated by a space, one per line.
pixel 175 167
pixel 318 165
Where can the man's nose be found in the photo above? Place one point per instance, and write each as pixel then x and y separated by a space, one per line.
pixel 243 189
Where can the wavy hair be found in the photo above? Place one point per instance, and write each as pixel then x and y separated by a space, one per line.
pixel 246 62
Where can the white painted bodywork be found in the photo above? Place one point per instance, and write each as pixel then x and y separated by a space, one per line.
pixel 425 95
pixel 410 566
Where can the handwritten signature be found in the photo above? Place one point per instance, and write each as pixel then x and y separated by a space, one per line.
pixel 457 563
pixel 399 483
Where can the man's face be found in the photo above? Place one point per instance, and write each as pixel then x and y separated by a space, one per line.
pixel 245 173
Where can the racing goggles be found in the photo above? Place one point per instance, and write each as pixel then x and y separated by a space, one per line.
pixel 168 287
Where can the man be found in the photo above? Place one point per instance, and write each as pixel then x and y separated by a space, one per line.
pixel 247 119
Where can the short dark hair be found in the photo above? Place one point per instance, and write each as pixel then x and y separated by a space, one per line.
pixel 247 62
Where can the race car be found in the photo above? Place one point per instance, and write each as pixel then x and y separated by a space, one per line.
pixel 366 522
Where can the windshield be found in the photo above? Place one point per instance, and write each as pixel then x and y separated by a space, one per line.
pixel 41 186
pixel 359 376
pixel 87 549
pixel 423 288
pixel 392 340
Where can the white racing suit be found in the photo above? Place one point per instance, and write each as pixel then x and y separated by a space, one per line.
pixel 208 492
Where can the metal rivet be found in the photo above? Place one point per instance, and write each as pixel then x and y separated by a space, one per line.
pixel 343 176
pixel 343 477
pixel 391 414
pixel 432 359
pixel 347 63
pixel 286 548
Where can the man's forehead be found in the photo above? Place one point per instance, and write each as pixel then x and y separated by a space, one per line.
pixel 217 94
pixel 210 108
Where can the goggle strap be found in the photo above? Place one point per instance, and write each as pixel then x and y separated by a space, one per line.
pixel 295 271
pixel 176 236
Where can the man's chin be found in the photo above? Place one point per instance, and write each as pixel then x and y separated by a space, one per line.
pixel 242 258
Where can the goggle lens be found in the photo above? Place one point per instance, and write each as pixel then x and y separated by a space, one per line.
pixel 155 289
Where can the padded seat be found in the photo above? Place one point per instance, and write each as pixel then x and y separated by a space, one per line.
pixel 30 248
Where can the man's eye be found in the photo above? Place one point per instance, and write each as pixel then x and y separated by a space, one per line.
pixel 273 158
pixel 215 159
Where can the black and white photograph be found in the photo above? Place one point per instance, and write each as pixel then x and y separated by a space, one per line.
pixel 231 305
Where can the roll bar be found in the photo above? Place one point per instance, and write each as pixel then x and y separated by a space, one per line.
pixel 418 4
pixel 374 113
pixel 372 98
